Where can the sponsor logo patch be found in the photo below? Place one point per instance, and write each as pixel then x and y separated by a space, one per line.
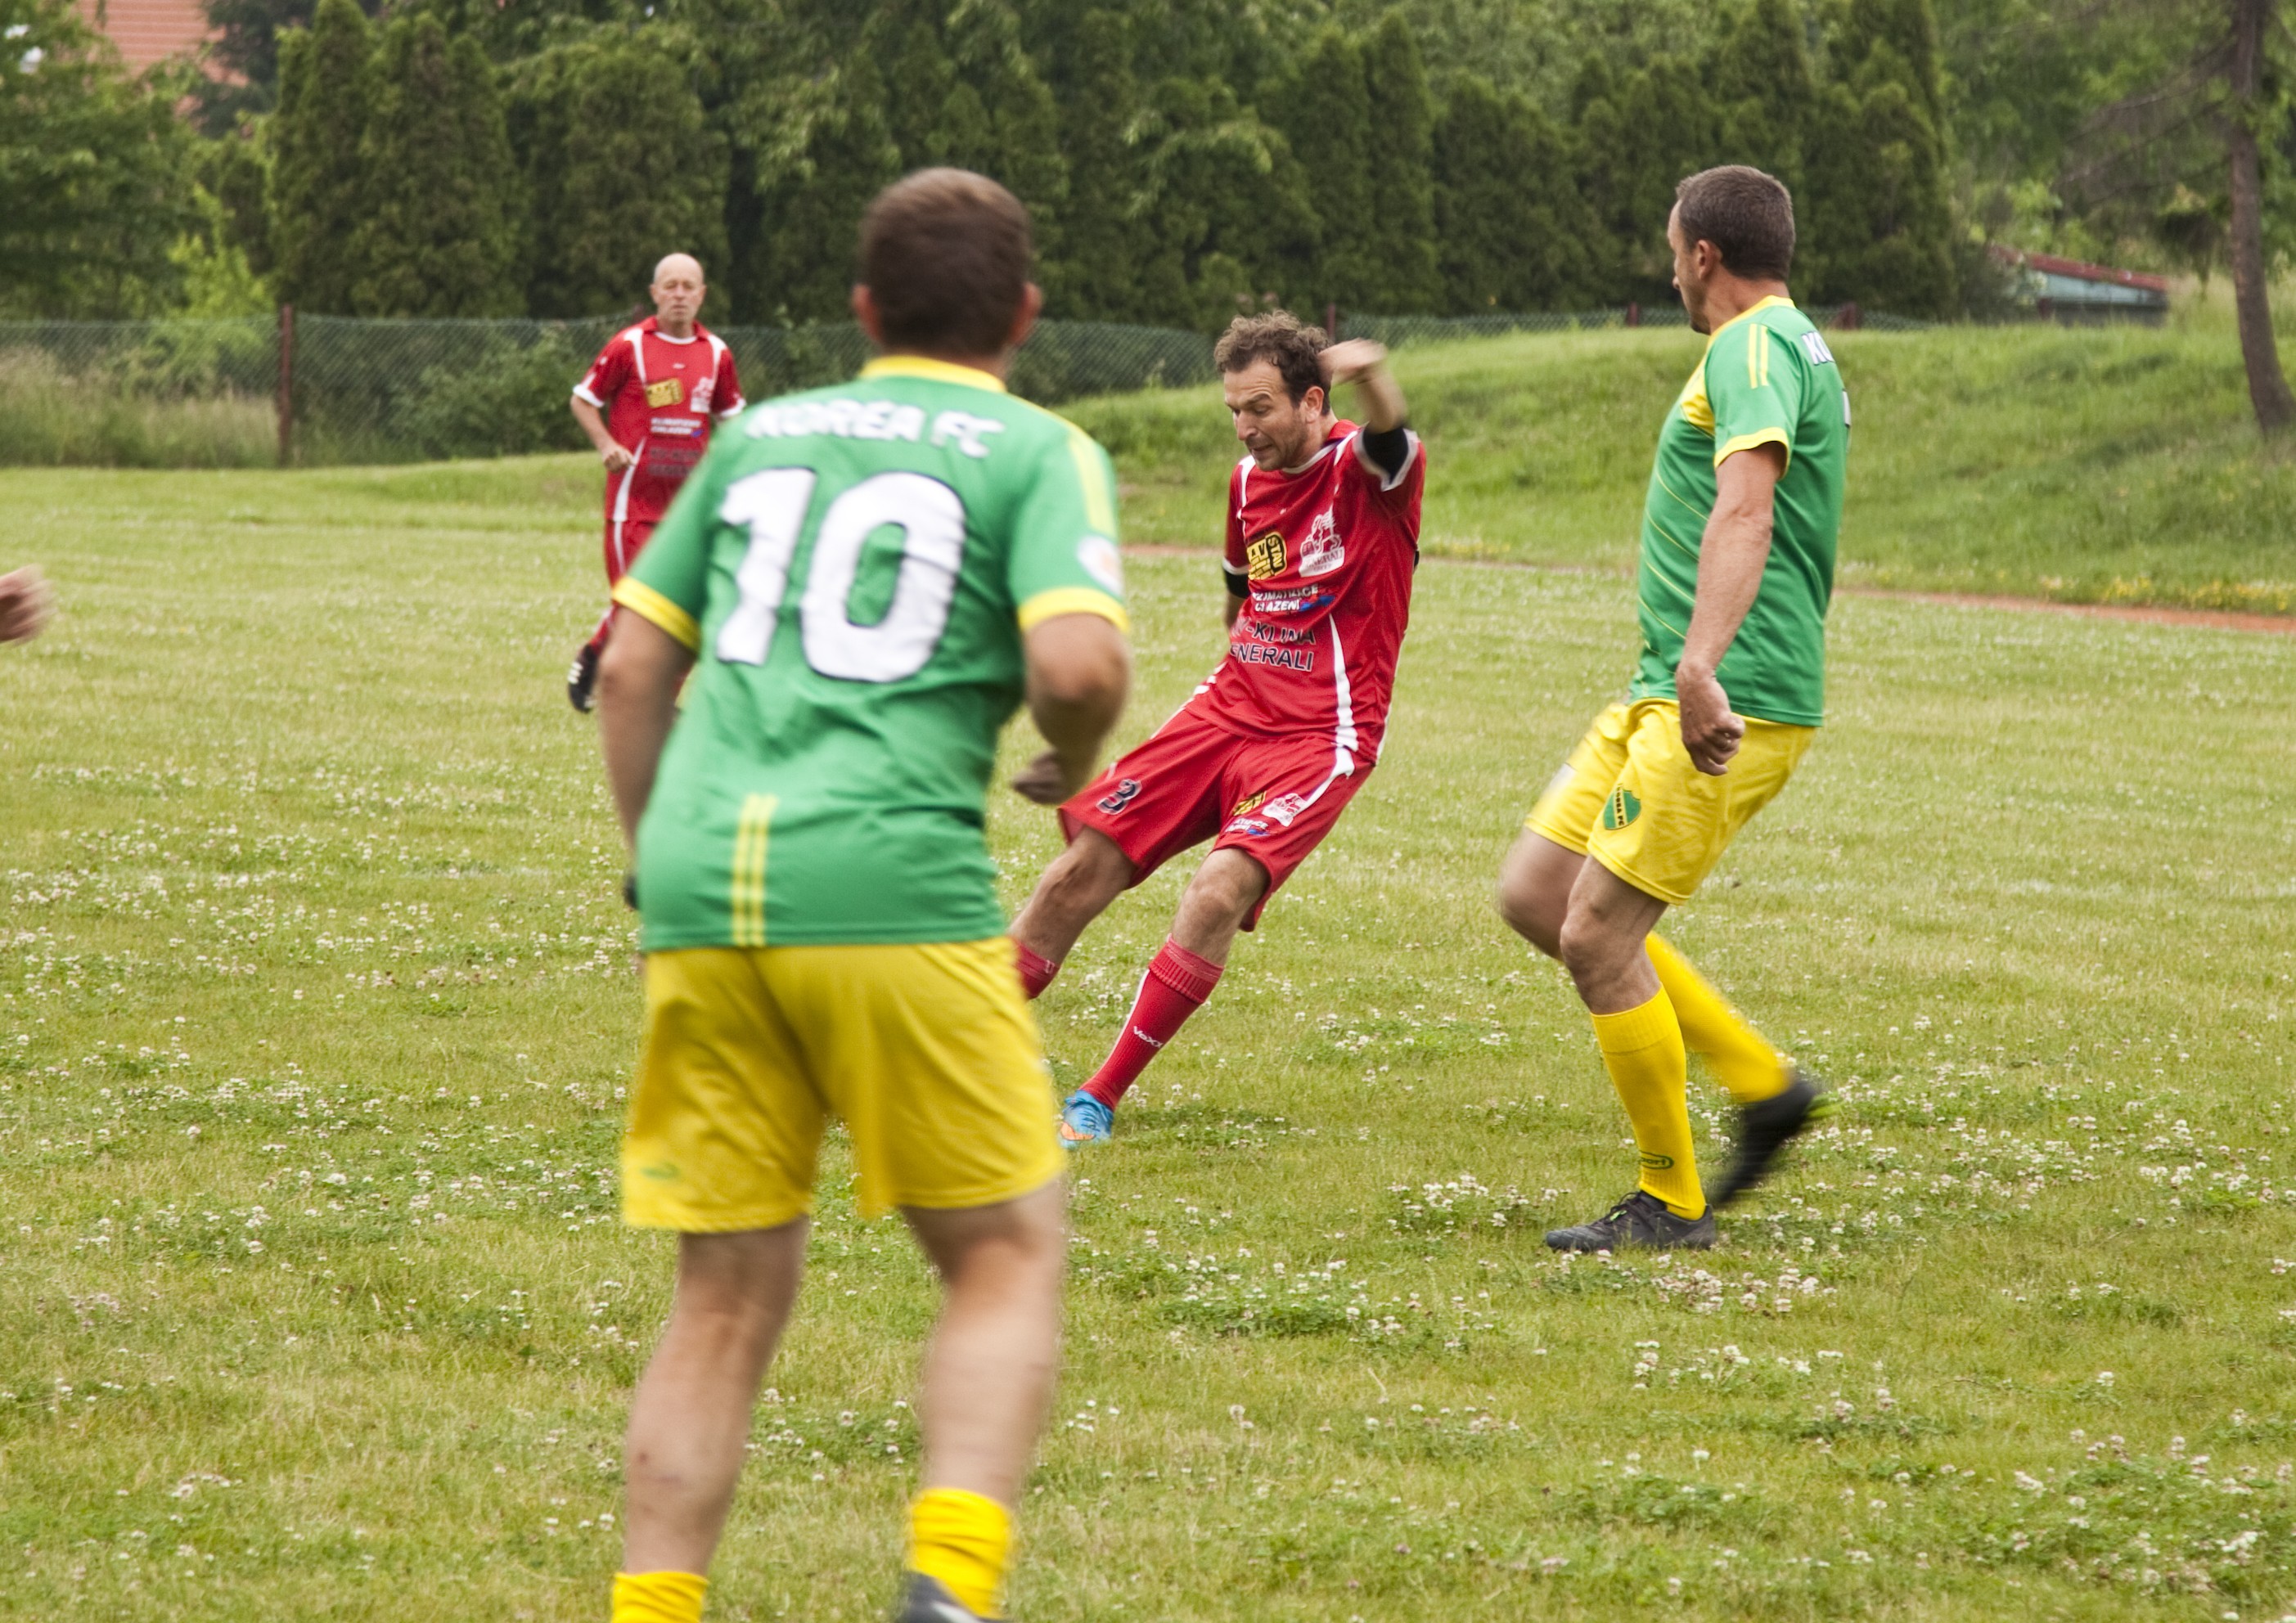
pixel 670 391
pixel 1621 808
pixel 1656 1163
pixel 1251 802
pixel 1283 809
pixel 1252 827
pixel 1121 795
pixel 1323 550
pixel 1098 556
pixel 1265 557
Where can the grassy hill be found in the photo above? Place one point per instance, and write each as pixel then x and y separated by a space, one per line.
pixel 2114 465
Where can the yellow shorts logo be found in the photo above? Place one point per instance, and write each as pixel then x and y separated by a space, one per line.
pixel 1621 808
pixel 670 391
pixel 1250 803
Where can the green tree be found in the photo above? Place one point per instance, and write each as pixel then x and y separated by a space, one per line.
pixel 317 174
pixel 621 165
pixel 1876 196
pixel 1399 169
pixel 1324 108
pixel 437 232
pixel 1224 209
pixel 1094 273
pixel 93 173
pixel 831 153
pixel 1514 230
pixel 1636 144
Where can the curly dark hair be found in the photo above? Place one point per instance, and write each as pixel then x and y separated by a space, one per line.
pixel 1293 346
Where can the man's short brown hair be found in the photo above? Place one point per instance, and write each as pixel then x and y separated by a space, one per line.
pixel 945 253
pixel 1747 215
pixel 1294 347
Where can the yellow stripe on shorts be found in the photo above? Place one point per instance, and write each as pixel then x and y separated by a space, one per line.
pixel 747 894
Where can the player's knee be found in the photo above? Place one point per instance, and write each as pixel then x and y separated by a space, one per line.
pixel 1531 913
pixel 1586 943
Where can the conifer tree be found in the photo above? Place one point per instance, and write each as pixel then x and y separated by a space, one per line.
pixel 842 155
pixel 1094 271
pixel 1324 107
pixel 438 234
pixel 621 166
pixel 1400 231
pixel 317 177
pixel 1657 125
pixel 1513 232
pixel 1224 211
pixel 1875 198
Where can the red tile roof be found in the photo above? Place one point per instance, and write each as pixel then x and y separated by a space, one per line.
pixel 148 31
pixel 2080 270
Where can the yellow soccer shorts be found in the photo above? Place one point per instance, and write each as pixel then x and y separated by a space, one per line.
pixel 928 1052
pixel 1631 798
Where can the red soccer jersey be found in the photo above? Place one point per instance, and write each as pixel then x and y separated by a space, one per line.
pixel 660 395
pixel 1326 553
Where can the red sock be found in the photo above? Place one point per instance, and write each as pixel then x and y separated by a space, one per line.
pixel 1175 986
pixel 1036 972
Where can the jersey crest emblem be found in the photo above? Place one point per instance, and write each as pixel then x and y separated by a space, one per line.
pixel 1125 792
pixel 670 391
pixel 1264 558
pixel 703 388
pixel 1322 551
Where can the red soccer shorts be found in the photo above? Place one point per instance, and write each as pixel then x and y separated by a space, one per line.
pixel 626 538
pixel 1272 798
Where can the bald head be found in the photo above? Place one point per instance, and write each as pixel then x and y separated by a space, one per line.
pixel 678 292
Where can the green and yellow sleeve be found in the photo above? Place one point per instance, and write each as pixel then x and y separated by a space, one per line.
pixel 1063 557
pixel 1754 383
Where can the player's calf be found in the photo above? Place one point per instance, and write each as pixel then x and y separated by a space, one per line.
pixel 1072 892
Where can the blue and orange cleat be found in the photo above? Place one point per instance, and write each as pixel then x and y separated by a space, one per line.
pixel 1084 1120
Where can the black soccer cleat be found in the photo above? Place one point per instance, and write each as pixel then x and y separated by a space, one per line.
pixel 1766 1128
pixel 926 1600
pixel 582 678
pixel 1640 1222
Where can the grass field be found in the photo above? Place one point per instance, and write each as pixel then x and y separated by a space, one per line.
pixel 314 1012
pixel 2117 465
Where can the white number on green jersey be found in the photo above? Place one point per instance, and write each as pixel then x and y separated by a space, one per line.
pixel 771 505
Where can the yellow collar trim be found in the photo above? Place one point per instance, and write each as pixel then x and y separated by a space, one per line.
pixel 939 372
pixel 1766 301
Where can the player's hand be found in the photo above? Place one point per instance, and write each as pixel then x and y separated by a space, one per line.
pixel 26 603
pixel 1349 362
pixel 1045 780
pixel 617 456
pixel 1710 732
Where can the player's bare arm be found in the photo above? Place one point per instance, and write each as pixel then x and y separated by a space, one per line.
pixel 1079 670
pixel 612 452
pixel 638 680
pixel 1731 556
pixel 1363 364
pixel 26 601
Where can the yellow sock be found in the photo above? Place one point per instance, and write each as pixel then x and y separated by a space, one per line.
pixel 1716 1033
pixel 1642 1049
pixel 658 1597
pixel 964 1540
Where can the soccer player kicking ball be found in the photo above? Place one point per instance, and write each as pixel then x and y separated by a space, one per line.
pixel 869 577
pixel 648 402
pixel 1737 567
pixel 1323 533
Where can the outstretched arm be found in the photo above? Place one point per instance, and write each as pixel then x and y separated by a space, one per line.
pixel 1731 556
pixel 1380 397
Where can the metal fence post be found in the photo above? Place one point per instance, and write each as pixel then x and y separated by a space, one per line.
pixel 1633 316
pixel 1332 322
pixel 286 385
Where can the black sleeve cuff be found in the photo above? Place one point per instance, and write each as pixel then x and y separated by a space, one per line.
pixel 1239 583
pixel 1387 449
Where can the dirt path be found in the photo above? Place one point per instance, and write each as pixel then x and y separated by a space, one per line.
pixel 2210 619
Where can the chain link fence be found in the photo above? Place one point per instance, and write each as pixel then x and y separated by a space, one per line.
pixel 324 390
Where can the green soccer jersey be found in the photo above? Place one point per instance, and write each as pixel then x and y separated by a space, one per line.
pixel 855 568
pixel 1767 378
